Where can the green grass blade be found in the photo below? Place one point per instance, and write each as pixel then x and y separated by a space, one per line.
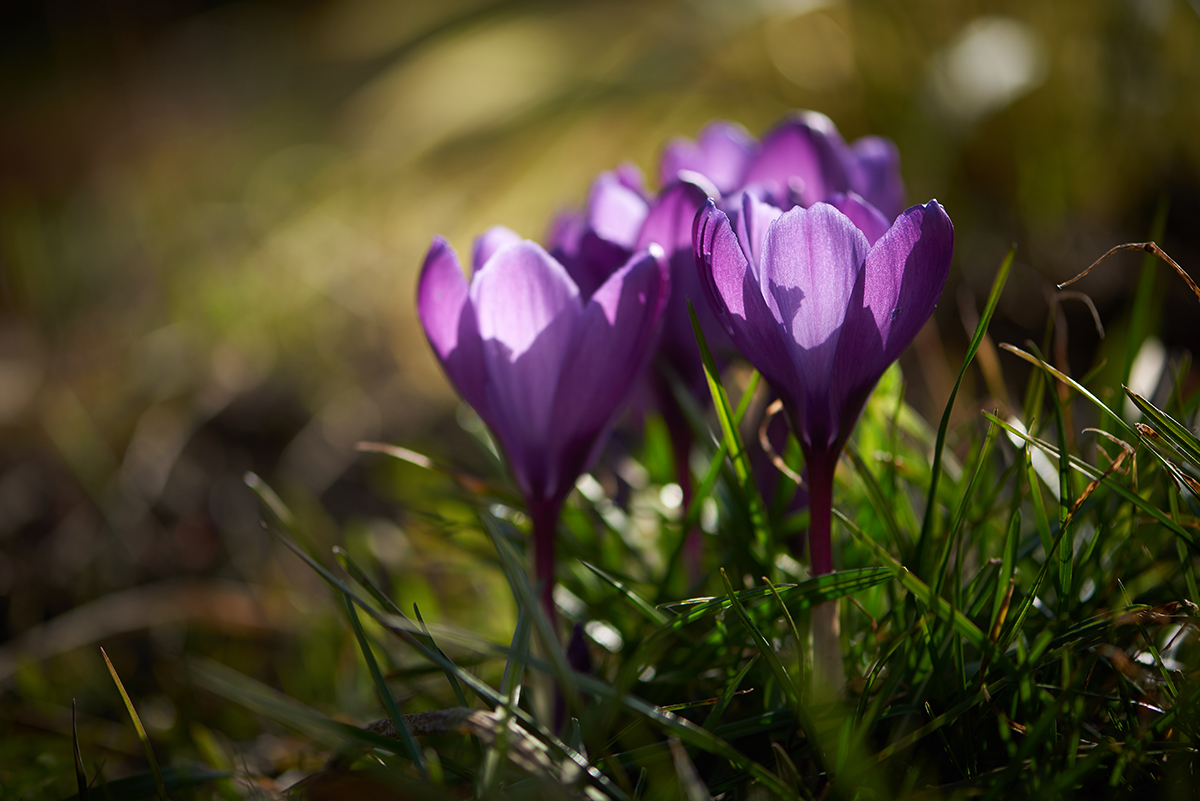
pixel 357 573
pixel 141 730
pixel 921 591
pixel 1108 481
pixel 1007 566
pixel 761 548
pixel 804 595
pixel 385 695
pixel 145 785
pixel 964 504
pixel 1040 518
pixel 519 581
pixel 638 602
pixel 879 502
pixel 1071 382
pixel 714 468
pixel 731 690
pixel 791 625
pixel 1145 298
pixel 1177 434
pixel 985 319
pixel 692 516
pixel 275 705
pixel 764 647
pixel 1066 502
pixel 80 774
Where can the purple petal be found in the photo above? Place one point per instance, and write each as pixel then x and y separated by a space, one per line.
pixel 721 154
pixel 805 155
pixel 616 210
pixel 449 320
pixel 527 308
pixel 489 242
pixel 809 267
pixel 669 221
pixel 752 224
pixel 613 342
pixel 901 282
pixel 810 262
pixel 905 273
pixel 865 216
pixel 735 295
pixel 878 178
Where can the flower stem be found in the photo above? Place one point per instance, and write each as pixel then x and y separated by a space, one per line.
pixel 545 525
pixel 819 474
pixel 828 670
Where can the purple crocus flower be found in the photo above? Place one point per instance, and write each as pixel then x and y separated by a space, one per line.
pixel 821 300
pixel 801 161
pixel 544 366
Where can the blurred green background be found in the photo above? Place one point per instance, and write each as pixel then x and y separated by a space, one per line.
pixel 212 215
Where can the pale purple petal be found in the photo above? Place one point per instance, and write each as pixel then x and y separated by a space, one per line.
pixel 736 298
pixel 616 211
pixel 669 221
pixel 612 344
pixel 721 154
pixel 879 179
pixel 489 242
pixel 809 265
pixel 866 217
pixel 565 232
pixel 809 268
pixel 752 224
pixel 804 157
pixel 905 273
pixel 901 282
pixel 527 308
pixel 448 317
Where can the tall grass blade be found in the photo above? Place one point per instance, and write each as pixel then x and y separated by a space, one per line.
pixel 357 573
pixel 141 730
pixel 80 774
pixel 560 669
pixel 638 602
pixel 985 319
pixel 1066 379
pixel 144 785
pixel 1168 428
pixel 385 695
pixel 764 647
pixel 761 548
pixel 731 690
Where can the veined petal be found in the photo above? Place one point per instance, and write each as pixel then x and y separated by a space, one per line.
pixel 669 221
pixel 613 341
pixel 901 282
pixel 735 295
pixel 905 273
pixel 804 155
pixel 527 308
pixel 721 154
pixel 752 224
pixel 810 262
pixel 878 179
pixel 865 217
pixel 616 210
pixel 491 240
pixel 446 313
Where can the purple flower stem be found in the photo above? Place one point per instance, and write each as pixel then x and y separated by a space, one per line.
pixel 820 508
pixel 544 514
pixel 829 672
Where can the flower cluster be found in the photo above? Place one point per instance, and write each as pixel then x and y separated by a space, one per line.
pixel 793 247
